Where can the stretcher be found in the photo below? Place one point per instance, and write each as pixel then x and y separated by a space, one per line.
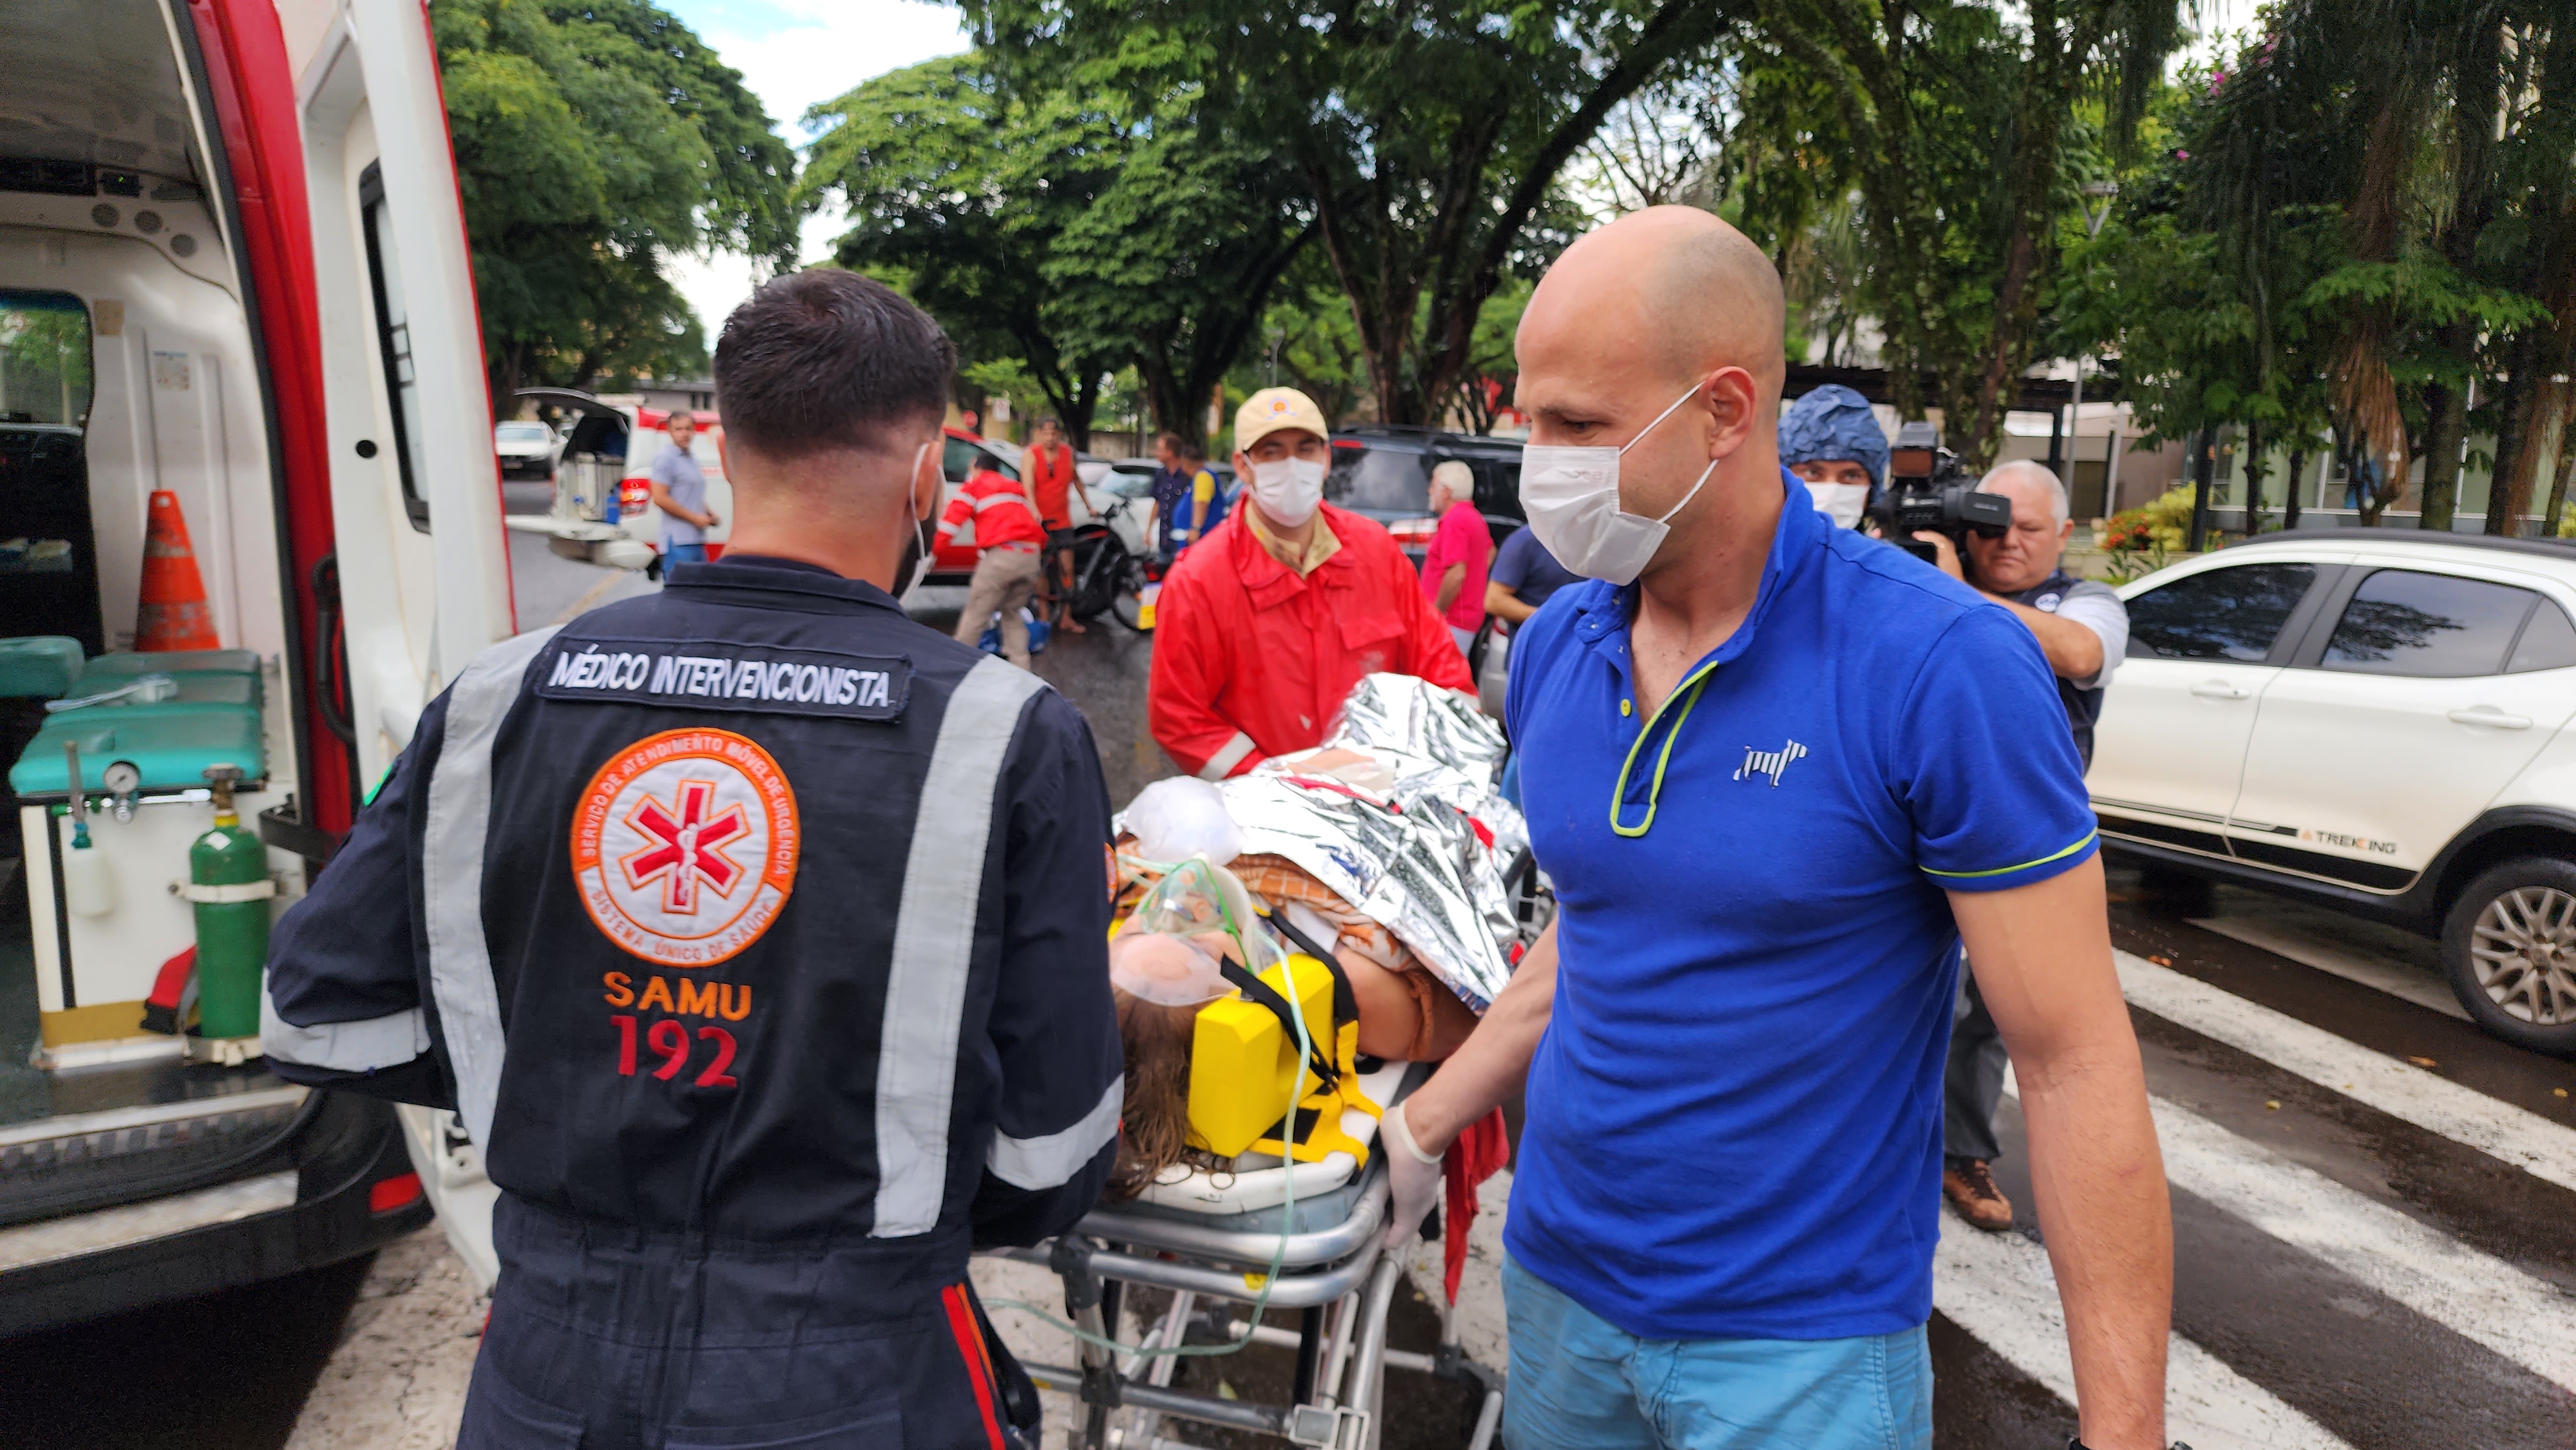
pixel 1397 817
pixel 1210 1239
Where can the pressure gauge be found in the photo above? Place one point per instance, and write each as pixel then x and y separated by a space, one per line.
pixel 122 779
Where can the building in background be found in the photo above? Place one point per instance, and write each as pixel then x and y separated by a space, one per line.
pixel 698 395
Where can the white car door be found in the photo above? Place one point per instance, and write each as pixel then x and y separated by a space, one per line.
pixel 415 497
pixel 2437 685
pixel 2203 646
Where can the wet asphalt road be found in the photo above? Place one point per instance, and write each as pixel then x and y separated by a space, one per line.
pixel 2375 1205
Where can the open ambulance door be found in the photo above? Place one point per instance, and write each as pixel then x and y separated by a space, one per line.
pixel 423 563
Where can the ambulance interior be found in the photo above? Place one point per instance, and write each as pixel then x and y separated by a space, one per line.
pixel 130 409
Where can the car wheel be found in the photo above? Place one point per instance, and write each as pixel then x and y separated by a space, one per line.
pixel 2510 945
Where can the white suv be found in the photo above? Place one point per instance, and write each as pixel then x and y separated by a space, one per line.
pixel 2373 720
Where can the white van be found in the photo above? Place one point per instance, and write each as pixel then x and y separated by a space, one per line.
pixel 600 509
pixel 233 271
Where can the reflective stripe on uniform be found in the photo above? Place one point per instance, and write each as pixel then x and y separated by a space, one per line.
pixel 996 500
pixel 1052 1160
pixel 1222 764
pixel 451 870
pixel 368 1045
pixel 934 943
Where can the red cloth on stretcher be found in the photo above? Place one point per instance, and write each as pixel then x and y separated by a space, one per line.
pixel 1482 1151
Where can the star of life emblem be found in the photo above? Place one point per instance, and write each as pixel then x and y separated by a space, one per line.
pixel 687 847
pixel 684 846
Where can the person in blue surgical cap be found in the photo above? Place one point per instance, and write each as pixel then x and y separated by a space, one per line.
pixel 1831 439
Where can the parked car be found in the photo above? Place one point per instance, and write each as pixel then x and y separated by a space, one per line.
pixel 1133 478
pixel 1130 479
pixel 1385 473
pixel 2376 721
pixel 528 449
pixel 603 511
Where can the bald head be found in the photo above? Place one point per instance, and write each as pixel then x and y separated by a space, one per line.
pixel 1659 336
pixel 1691 292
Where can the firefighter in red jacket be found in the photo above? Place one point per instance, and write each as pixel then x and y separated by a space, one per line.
pixel 1263 628
pixel 1008 538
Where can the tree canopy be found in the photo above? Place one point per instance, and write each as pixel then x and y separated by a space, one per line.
pixel 2335 238
pixel 1078 231
pixel 593 142
pixel 1427 139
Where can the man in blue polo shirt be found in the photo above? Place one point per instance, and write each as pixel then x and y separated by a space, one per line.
pixel 1777 771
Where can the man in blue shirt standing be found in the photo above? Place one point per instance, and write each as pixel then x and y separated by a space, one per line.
pixel 1778 771
pixel 1525 576
pixel 680 492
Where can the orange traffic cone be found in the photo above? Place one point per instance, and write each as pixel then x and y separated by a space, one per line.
pixel 174 614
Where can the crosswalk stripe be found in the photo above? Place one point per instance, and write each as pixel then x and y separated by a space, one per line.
pixel 2405 983
pixel 1998 1287
pixel 2468 1292
pixel 2403 1091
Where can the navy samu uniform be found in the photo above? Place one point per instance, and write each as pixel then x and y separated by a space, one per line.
pixel 758 934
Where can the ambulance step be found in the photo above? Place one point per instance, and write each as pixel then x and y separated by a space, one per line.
pixel 77 1161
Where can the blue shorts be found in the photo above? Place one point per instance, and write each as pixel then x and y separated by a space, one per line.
pixel 1579 1383
pixel 684 554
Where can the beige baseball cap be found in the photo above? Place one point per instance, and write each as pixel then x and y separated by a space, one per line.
pixel 1271 409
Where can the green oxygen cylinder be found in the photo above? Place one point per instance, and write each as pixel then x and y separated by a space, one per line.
pixel 229 885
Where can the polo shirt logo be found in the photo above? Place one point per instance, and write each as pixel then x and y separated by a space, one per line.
pixel 1769 762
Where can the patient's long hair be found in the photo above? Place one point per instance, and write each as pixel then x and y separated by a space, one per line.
pixel 1156 1118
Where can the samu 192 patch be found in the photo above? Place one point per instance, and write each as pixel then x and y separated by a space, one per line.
pixel 705 675
pixel 684 846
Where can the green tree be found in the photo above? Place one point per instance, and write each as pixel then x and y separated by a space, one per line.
pixel 593 142
pixel 1957 132
pixel 1307 341
pixel 1428 138
pixel 1173 265
pixel 44 362
pixel 1078 232
pixel 959 195
pixel 2374 192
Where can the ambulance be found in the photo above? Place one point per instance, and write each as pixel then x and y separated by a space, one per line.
pixel 250 524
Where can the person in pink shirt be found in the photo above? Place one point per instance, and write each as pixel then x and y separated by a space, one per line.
pixel 1453 571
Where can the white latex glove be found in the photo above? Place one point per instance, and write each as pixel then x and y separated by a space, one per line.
pixel 1414 1175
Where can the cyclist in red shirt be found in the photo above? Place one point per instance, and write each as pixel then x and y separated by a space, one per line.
pixel 1048 467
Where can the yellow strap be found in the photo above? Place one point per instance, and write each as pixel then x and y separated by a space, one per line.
pixel 1325 1136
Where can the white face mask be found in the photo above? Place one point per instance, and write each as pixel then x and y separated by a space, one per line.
pixel 1841 502
pixel 1571 495
pixel 1288 490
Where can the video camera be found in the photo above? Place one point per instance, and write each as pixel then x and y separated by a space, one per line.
pixel 1927 491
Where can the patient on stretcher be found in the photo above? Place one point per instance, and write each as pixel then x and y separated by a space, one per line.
pixel 1405 1013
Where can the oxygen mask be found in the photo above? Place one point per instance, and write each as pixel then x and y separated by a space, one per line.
pixel 1174 948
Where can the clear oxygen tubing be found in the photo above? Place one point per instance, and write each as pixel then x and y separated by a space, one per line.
pixel 1287 1205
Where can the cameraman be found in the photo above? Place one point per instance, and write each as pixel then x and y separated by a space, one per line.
pixel 2083 630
